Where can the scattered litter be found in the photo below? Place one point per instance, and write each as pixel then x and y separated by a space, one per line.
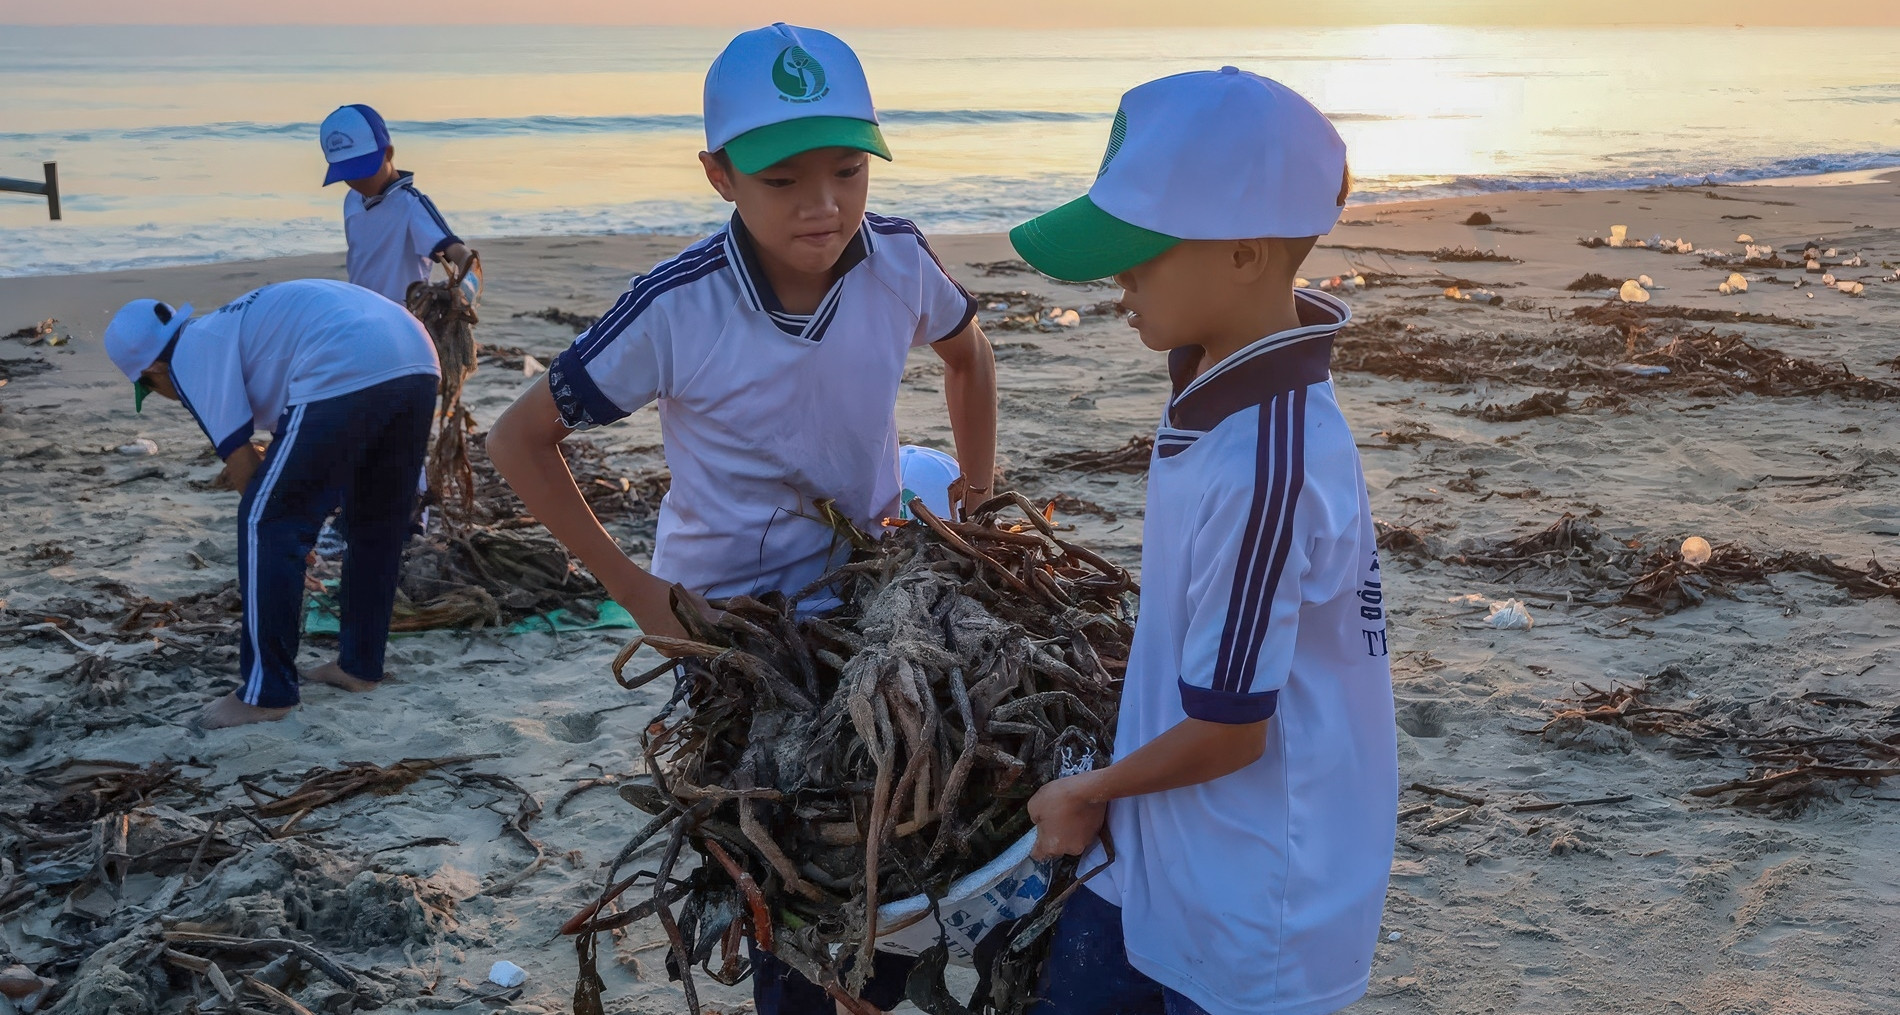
pixel 1851 288
pixel 1633 292
pixel 1478 218
pixel 1064 318
pixel 1829 280
pixel 1345 283
pixel 1646 282
pixel 1813 266
pixel 1619 235
pixel 531 367
pixel 1641 369
pixel 1470 254
pixel 1854 262
pixel 1509 615
pixel 1484 296
pixel 1696 550
pixel 1394 937
pixel 1744 238
pixel 139 447
pixel 1302 283
pixel 506 974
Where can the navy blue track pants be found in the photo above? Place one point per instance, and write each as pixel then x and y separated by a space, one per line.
pixel 368 446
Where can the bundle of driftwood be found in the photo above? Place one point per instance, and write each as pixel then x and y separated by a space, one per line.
pixel 823 765
pixel 444 309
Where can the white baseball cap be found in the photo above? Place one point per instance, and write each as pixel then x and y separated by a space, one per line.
pixel 775 92
pixel 137 336
pixel 353 139
pixel 1206 155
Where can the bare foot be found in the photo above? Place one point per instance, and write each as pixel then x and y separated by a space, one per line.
pixel 230 710
pixel 332 674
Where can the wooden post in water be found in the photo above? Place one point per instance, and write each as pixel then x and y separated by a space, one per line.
pixel 50 188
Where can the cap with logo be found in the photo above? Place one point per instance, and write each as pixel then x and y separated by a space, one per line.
pixel 137 336
pixel 1206 155
pixel 777 92
pixel 353 140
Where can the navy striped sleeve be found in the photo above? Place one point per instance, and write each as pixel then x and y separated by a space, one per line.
pixel 427 228
pixel 1241 636
pixel 618 364
pixel 945 307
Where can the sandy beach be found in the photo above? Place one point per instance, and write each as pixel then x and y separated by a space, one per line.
pixel 1654 900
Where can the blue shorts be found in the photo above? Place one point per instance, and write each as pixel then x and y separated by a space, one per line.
pixel 1087 972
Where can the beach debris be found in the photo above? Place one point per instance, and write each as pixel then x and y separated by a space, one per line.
pixel 1829 280
pixel 1854 262
pixel 1851 288
pixel 139 447
pixel 1461 254
pixel 1646 282
pixel 887 746
pixel 1343 283
pixel 1813 266
pixel 506 974
pixel 1797 748
pixel 1023 310
pixel 1133 456
pixel 1542 404
pixel 1484 296
pixel 1302 283
pixel 1509 615
pixel 44 332
pixel 1478 218
pixel 1744 238
pixel 1696 550
pixel 1592 281
pixel 1619 235
pixel 1633 292
pixel 444 309
pixel 531 367
pixel 1735 283
pixel 1675 246
pixel 555 315
pixel 1831 252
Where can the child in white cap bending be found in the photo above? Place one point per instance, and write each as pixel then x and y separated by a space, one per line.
pixel 346 380
pixel 1252 797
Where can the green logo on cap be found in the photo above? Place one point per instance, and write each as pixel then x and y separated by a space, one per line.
pixel 799 76
pixel 1116 135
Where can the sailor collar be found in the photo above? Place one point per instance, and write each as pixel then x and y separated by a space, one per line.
pixel 404 178
pixel 1281 362
pixel 757 289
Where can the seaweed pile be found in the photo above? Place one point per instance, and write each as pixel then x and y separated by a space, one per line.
pixel 156 894
pixel 1695 363
pixel 1574 560
pixel 822 765
pixel 1797 749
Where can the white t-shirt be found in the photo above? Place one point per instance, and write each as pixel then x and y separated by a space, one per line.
pixel 239 367
pixel 392 237
pixel 1260 892
pixel 764 413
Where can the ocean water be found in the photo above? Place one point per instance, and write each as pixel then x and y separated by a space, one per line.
pixel 181 145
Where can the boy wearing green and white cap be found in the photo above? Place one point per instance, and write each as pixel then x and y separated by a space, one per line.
pixel 774 350
pixel 1255 779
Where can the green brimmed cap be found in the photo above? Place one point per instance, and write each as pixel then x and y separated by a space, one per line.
pixel 777 92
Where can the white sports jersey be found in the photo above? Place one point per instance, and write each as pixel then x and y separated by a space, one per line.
pixel 1261 597
pixel 239 367
pixel 392 237
pixel 765 414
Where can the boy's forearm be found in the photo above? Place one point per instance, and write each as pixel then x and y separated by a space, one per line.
pixel 1193 752
pixel 525 447
pixel 969 389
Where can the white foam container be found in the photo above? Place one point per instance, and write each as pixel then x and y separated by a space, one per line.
pixel 1004 889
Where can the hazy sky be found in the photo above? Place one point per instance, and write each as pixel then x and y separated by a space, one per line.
pixel 986 13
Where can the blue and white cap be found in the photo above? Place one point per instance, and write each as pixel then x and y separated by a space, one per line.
pixel 353 140
pixel 137 337
pixel 776 92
